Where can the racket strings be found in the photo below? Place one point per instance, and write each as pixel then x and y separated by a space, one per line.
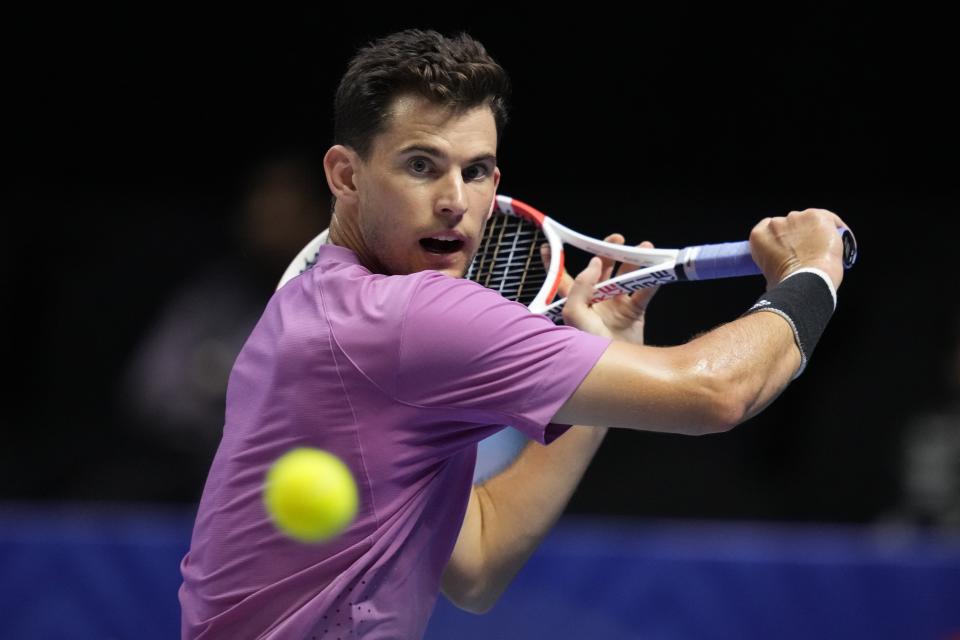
pixel 508 260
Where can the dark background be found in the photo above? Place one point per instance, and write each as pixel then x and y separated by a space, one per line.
pixel 130 135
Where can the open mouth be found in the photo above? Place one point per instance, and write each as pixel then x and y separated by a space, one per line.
pixel 434 245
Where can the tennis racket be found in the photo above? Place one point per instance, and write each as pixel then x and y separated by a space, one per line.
pixel 508 259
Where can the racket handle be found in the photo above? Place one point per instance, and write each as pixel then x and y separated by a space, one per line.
pixel 732 259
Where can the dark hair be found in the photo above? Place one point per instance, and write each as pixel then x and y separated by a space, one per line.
pixel 456 72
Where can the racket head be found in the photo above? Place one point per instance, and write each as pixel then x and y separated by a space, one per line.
pixel 508 258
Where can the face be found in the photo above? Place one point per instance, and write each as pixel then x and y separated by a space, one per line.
pixel 427 189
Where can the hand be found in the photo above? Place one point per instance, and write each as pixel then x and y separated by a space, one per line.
pixel 806 238
pixel 621 317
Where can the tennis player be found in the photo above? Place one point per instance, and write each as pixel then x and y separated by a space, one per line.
pixel 384 355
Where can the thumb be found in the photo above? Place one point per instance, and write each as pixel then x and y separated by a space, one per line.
pixel 578 298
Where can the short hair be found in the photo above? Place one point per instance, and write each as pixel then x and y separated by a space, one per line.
pixel 456 72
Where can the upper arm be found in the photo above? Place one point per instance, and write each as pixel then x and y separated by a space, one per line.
pixel 462 578
pixel 671 389
pixel 485 360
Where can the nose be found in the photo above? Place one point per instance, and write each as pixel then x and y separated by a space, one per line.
pixel 452 196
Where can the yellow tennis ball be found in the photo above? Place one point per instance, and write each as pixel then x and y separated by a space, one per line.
pixel 310 494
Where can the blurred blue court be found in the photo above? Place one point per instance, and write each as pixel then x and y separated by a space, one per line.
pixel 113 572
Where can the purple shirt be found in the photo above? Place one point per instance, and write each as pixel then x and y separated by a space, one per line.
pixel 399 376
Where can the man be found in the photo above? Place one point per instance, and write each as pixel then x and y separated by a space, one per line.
pixel 385 356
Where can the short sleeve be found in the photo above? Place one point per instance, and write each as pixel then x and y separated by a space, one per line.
pixel 466 350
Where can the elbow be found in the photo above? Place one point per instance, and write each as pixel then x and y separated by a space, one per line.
pixel 724 415
pixel 721 403
pixel 470 589
pixel 480 607
pixel 714 418
pixel 476 600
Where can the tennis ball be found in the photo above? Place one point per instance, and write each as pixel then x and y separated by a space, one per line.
pixel 310 494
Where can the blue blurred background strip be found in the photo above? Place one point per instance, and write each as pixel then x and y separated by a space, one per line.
pixel 98 572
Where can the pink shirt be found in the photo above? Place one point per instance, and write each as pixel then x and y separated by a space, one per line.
pixel 399 376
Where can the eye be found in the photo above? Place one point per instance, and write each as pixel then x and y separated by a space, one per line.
pixel 419 165
pixel 470 174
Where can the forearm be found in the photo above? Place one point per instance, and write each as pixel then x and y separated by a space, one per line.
pixel 511 513
pixel 707 385
pixel 750 360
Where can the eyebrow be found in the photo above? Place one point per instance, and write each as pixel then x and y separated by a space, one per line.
pixel 433 151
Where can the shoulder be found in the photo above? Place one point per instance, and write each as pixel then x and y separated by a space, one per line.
pixel 452 324
pixel 442 307
pixel 434 289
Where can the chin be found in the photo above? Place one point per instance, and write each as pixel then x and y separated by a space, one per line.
pixel 454 265
pixel 454 271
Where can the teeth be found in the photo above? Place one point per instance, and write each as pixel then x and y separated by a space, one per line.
pixel 445 236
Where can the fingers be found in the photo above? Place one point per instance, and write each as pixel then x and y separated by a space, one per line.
pixel 837 220
pixel 566 280
pixel 576 311
pixel 639 299
pixel 605 265
pixel 608 263
pixel 621 309
pixel 807 238
pixel 625 267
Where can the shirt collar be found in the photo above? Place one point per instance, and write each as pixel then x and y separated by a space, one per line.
pixel 337 253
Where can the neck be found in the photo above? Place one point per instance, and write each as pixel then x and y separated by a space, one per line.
pixel 344 233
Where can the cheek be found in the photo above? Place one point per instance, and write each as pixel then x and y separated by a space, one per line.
pixel 374 235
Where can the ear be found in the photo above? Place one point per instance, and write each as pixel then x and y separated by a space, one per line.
pixel 340 164
pixel 496 183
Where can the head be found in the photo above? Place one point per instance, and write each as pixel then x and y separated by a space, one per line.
pixel 418 117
